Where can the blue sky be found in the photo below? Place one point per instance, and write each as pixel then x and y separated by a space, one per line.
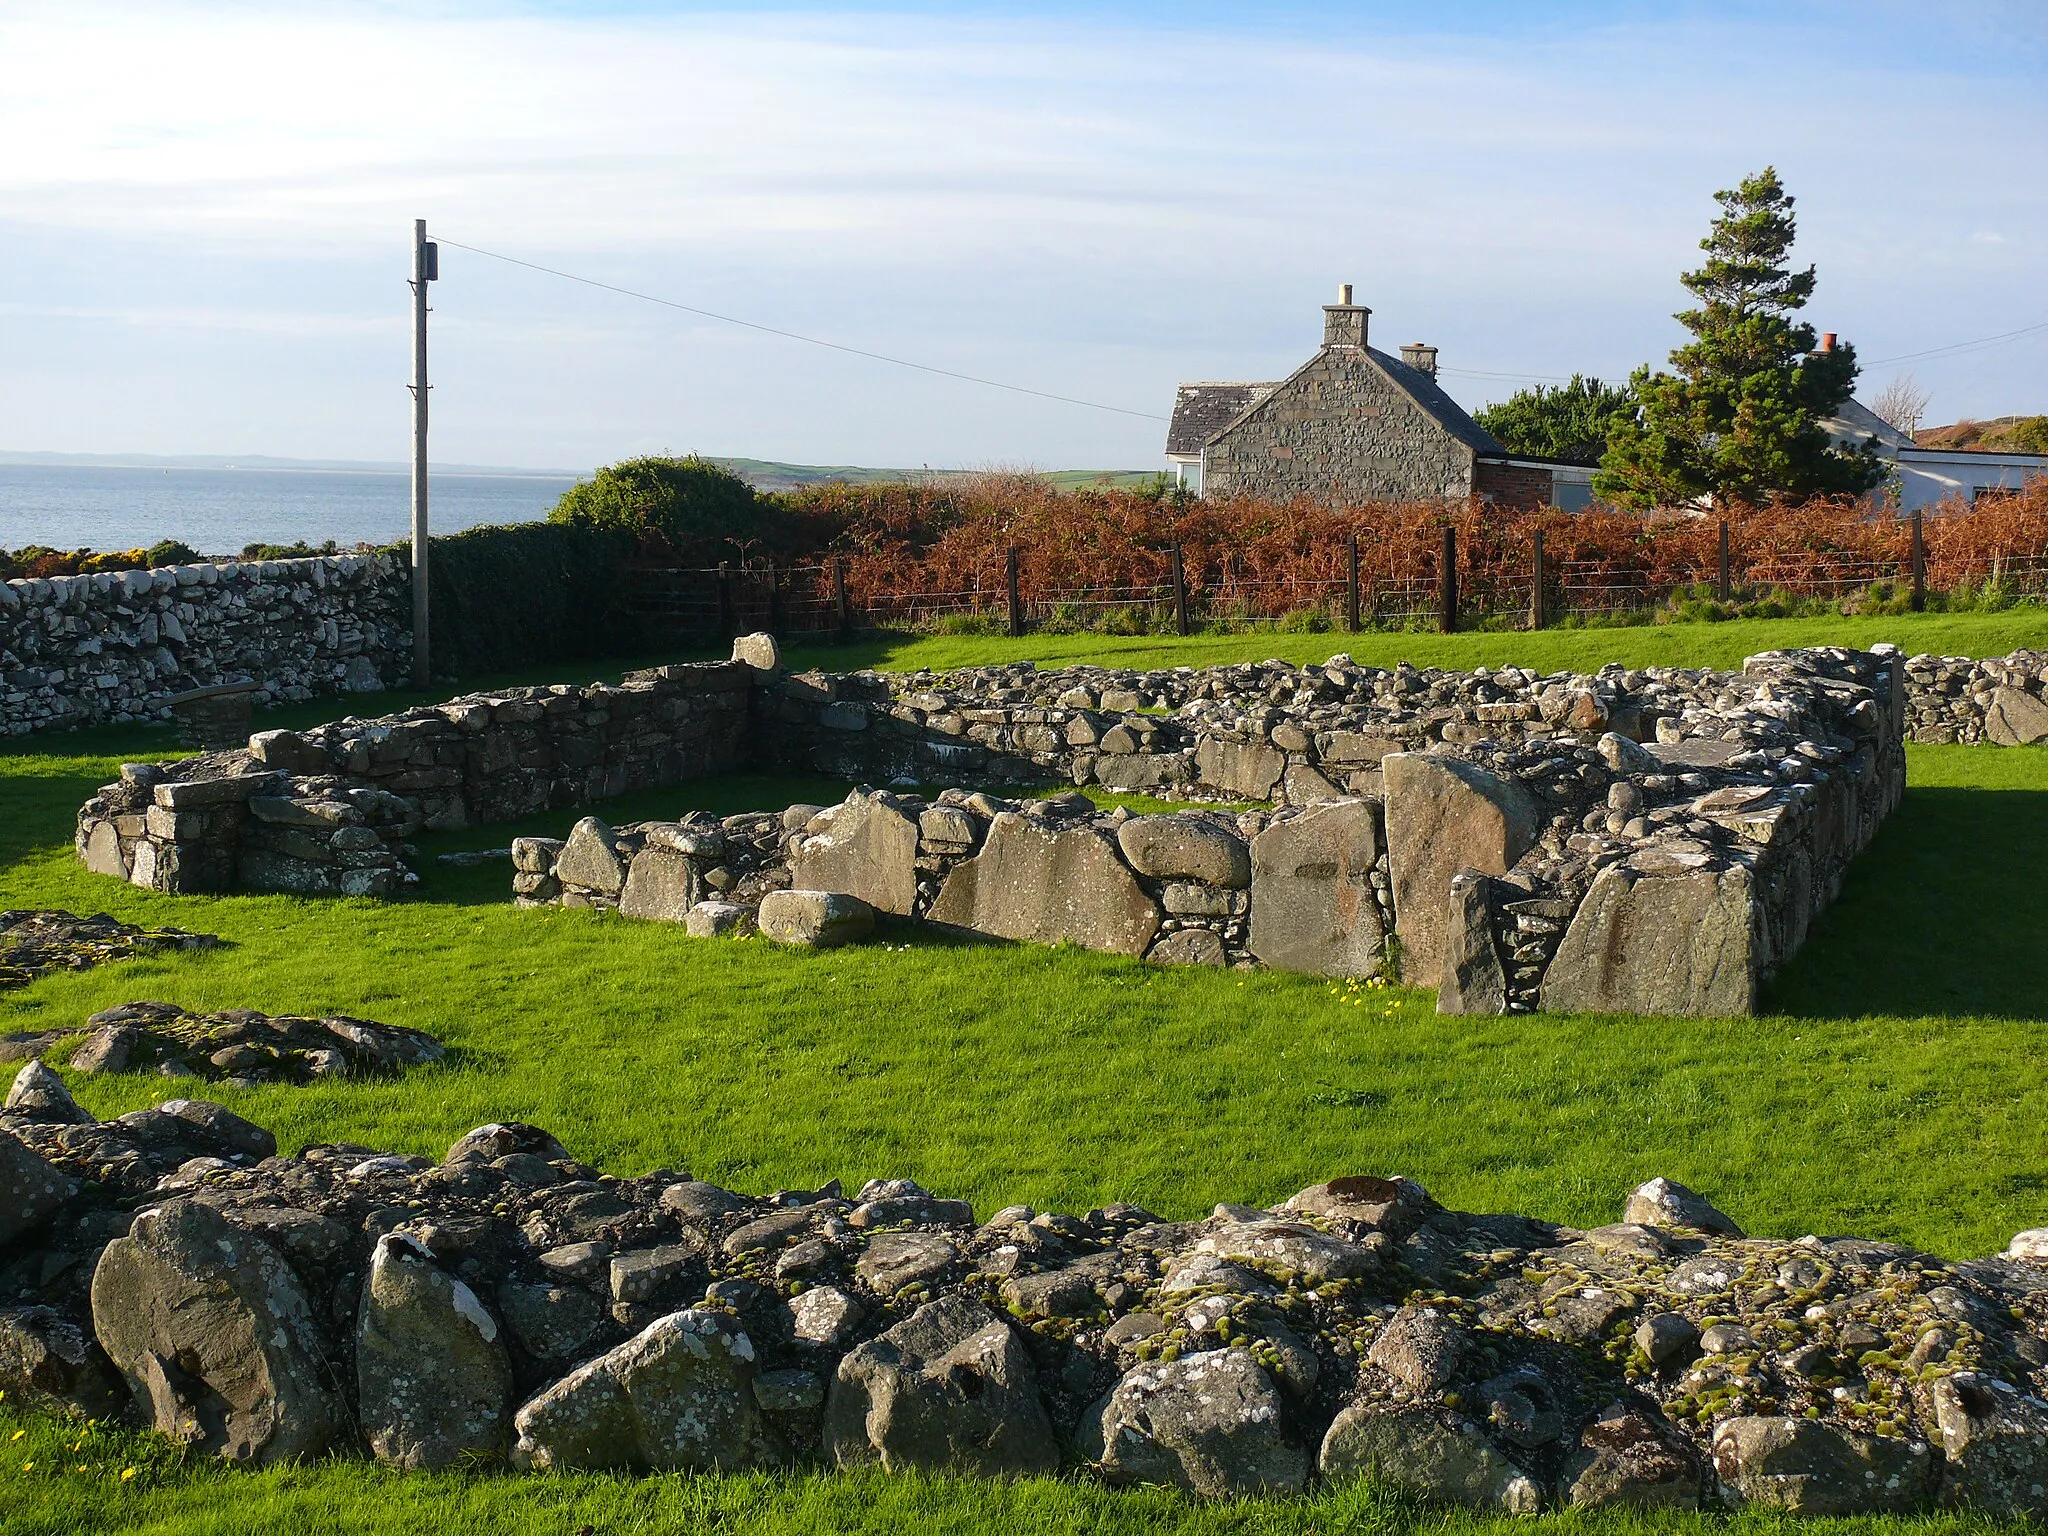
pixel 205 211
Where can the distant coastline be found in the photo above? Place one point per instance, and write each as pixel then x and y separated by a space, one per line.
pixel 762 474
pixel 268 462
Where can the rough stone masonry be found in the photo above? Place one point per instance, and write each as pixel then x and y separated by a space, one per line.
pixel 508 1305
pixel 116 645
pixel 1650 840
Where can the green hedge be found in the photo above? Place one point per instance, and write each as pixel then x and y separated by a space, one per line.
pixel 523 594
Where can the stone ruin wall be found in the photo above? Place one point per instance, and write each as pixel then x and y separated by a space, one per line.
pixel 329 811
pixel 114 646
pixel 508 1306
pixel 1508 830
pixel 1688 824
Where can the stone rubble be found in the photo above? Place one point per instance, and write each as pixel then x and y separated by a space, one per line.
pixel 510 1305
pixel 241 1047
pixel 35 943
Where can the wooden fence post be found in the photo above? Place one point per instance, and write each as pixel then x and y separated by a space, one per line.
pixel 840 599
pixel 774 601
pixel 1180 592
pixel 1016 591
pixel 1537 615
pixel 1447 590
pixel 1721 588
pixel 1351 586
pixel 727 624
pixel 1919 566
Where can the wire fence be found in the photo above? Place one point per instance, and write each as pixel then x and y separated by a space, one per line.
pixel 1456 587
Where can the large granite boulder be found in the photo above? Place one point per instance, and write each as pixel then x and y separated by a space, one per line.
pixel 1810 1468
pixel 949 1389
pixel 1186 848
pixel 1995 1441
pixel 1211 1423
pixel 1313 908
pixel 31 1190
pixel 1631 1458
pixel 433 1380
pixel 814 919
pixel 1429 1452
pixel 216 1338
pixel 2015 718
pixel 1683 943
pixel 1049 886
pixel 48 1361
pixel 865 847
pixel 677 1396
pixel 661 886
pixel 1248 770
pixel 1445 815
pixel 590 858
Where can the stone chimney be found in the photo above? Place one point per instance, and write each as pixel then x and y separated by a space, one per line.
pixel 1344 321
pixel 1421 357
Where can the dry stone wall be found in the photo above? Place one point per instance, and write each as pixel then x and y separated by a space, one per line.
pixel 507 1305
pixel 114 646
pixel 1637 840
pixel 329 811
pixel 1642 842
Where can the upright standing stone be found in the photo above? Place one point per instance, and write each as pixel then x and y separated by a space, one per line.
pixel 950 1389
pixel 1049 887
pixel 434 1382
pixel 1679 944
pixel 1210 1423
pixel 1313 908
pixel 864 847
pixel 1445 815
pixel 678 1396
pixel 1474 980
pixel 214 1333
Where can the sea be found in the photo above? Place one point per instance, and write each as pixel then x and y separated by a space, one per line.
pixel 218 511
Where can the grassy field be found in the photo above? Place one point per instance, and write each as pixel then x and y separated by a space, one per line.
pixel 1895 1088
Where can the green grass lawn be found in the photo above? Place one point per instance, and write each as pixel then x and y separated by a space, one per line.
pixel 1896 1089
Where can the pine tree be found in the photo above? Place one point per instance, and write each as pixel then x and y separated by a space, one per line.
pixel 1740 419
pixel 1566 421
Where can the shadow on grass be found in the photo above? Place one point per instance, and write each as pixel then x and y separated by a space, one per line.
pixel 1944 914
pixel 725 795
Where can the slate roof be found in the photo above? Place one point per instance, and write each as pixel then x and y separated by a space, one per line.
pixel 1450 415
pixel 1200 411
pixel 1855 424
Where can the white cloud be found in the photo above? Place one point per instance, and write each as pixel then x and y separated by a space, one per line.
pixel 1093 208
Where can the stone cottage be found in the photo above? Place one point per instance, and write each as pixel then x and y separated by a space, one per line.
pixel 1353 424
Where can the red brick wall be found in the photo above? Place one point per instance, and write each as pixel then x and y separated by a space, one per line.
pixel 1512 485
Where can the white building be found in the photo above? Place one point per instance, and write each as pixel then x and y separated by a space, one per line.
pixel 1920 477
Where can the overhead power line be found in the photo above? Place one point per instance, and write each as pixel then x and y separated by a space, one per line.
pixel 1963 346
pixel 815 341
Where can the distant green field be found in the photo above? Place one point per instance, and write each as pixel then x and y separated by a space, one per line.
pixel 1896 1087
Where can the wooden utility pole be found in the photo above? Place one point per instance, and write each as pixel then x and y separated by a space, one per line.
pixel 1722 589
pixel 425 269
pixel 1537 614
pixel 1015 591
